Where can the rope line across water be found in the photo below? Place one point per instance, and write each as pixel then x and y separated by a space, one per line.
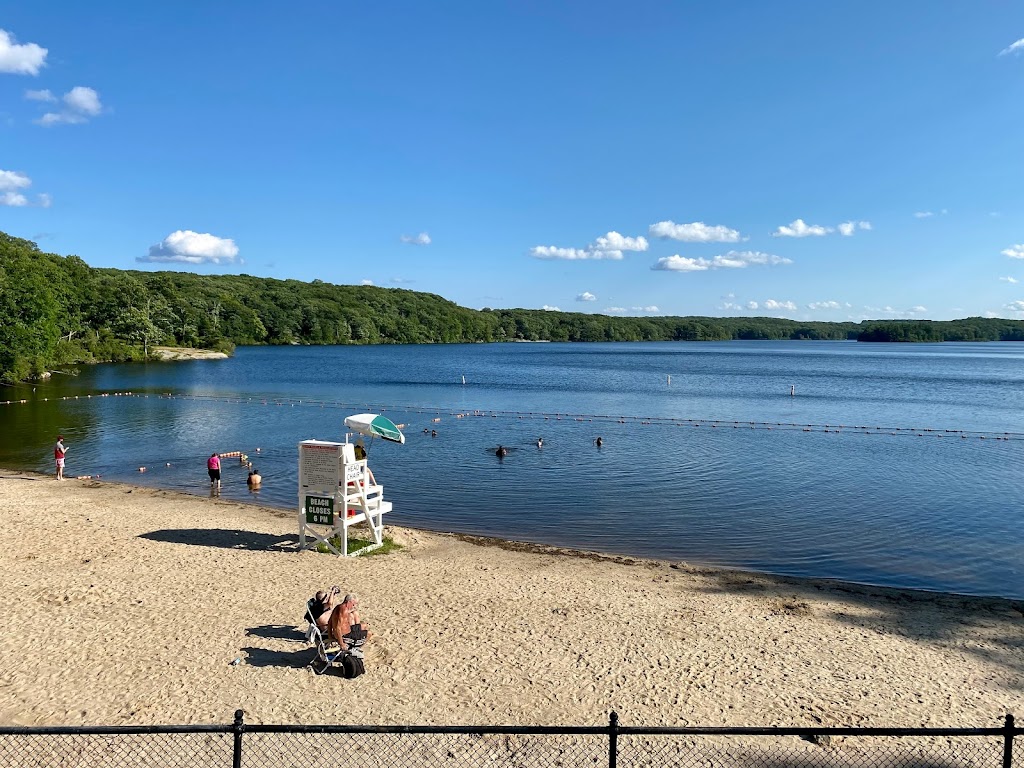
pixel 583 417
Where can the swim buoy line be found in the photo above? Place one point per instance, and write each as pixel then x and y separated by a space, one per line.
pixel 891 431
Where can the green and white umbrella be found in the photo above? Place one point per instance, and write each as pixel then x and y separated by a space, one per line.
pixel 373 425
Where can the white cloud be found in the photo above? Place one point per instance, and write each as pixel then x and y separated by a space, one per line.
pixel 551 252
pixel 40 96
pixel 613 241
pixel 679 263
pixel 188 247
pixel 608 247
pixel 11 185
pixel 26 59
pixel 1008 279
pixel 651 308
pixel 695 232
pixel 773 304
pixel 918 310
pixel 800 228
pixel 1016 306
pixel 11 180
pixel 615 310
pixel 1014 251
pixel 847 228
pixel 586 296
pixel 1016 47
pixel 730 260
pixel 816 305
pixel 421 239
pixel 731 305
pixel 550 309
pixel 366 282
pixel 751 305
pixel 80 103
pixel 923 214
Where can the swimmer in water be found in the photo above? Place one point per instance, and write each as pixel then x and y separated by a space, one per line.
pixel 540 442
pixel 599 442
pixel 433 433
pixel 502 451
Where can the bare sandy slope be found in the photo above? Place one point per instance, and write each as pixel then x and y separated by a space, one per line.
pixel 126 606
pixel 186 353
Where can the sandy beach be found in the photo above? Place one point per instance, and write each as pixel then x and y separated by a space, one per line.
pixel 127 605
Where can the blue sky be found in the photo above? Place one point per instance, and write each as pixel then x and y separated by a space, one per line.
pixel 819 160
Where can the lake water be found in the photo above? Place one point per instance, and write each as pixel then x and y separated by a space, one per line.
pixel 689 469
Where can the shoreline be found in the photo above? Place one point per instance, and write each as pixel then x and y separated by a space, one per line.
pixel 158 591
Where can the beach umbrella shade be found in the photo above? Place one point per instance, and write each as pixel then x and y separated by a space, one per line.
pixel 374 425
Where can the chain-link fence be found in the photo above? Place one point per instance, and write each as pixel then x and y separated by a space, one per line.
pixel 611 746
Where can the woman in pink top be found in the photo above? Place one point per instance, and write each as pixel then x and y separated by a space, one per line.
pixel 213 469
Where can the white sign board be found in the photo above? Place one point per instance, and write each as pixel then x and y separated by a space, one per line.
pixel 319 466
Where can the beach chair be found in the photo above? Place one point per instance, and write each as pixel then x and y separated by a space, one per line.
pixel 347 653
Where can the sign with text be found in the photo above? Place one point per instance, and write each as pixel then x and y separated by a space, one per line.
pixel 353 472
pixel 320 510
pixel 319 465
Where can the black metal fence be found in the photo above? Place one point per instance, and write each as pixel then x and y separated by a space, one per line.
pixel 373 746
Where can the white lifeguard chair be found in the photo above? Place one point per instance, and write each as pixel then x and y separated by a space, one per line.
pixel 337 491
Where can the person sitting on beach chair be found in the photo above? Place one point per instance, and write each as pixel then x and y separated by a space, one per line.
pixel 344 631
pixel 320 607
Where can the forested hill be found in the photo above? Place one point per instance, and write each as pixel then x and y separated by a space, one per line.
pixel 57 310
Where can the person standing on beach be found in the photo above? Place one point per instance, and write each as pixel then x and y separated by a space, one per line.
pixel 213 469
pixel 58 454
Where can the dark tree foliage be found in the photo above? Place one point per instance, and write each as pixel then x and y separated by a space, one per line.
pixel 57 310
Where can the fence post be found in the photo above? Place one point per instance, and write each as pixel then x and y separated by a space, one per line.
pixel 239 728
pixel 1008 743
pixel 613 739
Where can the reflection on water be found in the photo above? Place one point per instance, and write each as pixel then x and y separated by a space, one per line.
pixel 936 512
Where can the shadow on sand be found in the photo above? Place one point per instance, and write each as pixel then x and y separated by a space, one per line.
pixel 226 539
pixel 276 632
pixel 916 615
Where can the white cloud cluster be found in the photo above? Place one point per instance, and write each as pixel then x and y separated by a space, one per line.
pixel 800 228
pixel 694 232
pixel 651 308
pixel 615 310
pixel 730 260
pixel 1016 306
pixel 607 247
pixel 20 59
pixel 818 305
pixel 421 239
pixel 923 214
pixel 44 95
pixel 846 229
pixel 551 252
pixel 80 104
pixel 1016 47
pixel 10 184
pixel 366 282
pixel 1014 251
pixel 777 305
pixel 188 247
pixel 12 190
pixel 586 296
pixel 550 308
pixel 1011 280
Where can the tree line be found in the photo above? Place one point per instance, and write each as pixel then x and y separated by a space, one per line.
pixel 57 310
